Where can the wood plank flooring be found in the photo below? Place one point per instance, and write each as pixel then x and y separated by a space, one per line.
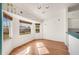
pixel 41 47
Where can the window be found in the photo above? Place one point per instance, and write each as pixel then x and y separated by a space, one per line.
pixel 6 26
pixel 37 28
pixel 25 28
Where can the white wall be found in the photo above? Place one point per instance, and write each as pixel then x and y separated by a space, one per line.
pixel 17 39
pixel 54 29
pixel 7 46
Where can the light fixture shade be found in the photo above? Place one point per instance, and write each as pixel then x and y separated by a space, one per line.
pixel 47 7
pixel 43 8
pixel 39 7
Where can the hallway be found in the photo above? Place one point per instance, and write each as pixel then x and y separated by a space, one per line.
pixel 41 47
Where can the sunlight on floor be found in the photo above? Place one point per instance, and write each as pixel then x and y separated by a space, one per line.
pixel 26 51
pixel 41 48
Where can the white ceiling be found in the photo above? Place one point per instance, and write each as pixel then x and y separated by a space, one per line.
pixel 30 10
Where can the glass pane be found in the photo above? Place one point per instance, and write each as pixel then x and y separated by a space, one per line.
pixel 37 28
pixel 25 28
pixel 6 24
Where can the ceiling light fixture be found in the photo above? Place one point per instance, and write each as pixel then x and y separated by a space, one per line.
pixel 39 7
pixel 47 7
pixel 43 8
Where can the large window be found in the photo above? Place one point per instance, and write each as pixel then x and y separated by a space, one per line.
pixel 25 28
pixel 6 26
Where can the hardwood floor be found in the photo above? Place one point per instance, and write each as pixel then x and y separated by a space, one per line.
pixel 41 47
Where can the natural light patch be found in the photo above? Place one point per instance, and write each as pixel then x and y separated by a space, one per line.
pixel 41 48
pixel 26 51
